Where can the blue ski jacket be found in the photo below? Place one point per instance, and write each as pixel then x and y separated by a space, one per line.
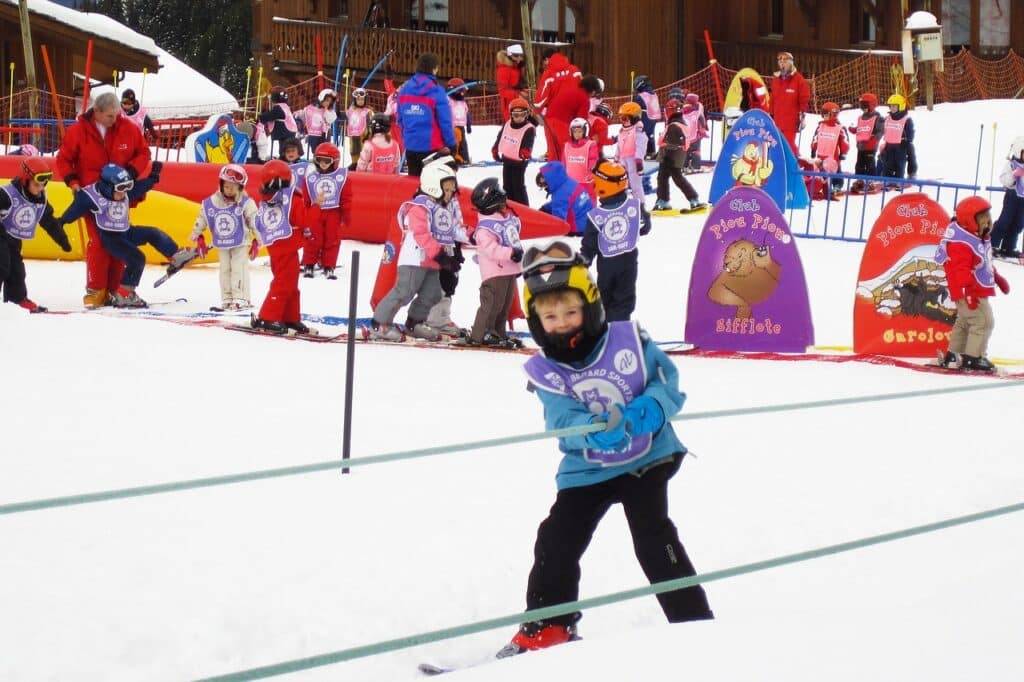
pixel 569 200
pixel 425 115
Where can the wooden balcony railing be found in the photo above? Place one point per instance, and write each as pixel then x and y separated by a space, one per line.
pixel 468 57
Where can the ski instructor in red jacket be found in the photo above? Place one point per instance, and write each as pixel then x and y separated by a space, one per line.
pixel 100 136
pixel 559 74
pixel 790 96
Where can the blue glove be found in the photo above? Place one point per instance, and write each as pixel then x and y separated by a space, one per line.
pixel 614 437
pixel 643 415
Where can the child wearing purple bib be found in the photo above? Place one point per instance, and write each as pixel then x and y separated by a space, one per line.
pixel 230 215
pixel 23 205
pixel 592 371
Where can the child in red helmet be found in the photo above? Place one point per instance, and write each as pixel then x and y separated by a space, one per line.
pixel 23 205
pixel 672 159
pixel 868 133
pixel 327 199
pixel 230 215
pixel 830 143
pixel 277 222
pixel 965 253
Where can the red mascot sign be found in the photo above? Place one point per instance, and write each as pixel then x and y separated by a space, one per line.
pixel 902 306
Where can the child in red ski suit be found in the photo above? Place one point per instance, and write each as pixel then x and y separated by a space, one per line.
pixel 965 253
pixel 279 220
pixel 868 133
pixel 327 199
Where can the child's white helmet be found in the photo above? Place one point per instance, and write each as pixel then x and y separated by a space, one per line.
pixel 432 176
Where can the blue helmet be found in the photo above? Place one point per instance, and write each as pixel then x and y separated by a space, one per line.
pixel 112 178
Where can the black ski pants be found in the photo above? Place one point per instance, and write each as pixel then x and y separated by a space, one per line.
pixel 12 269
pixel 565 534
pixel 616 280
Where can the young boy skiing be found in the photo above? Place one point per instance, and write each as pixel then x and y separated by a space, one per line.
pixel 632 141
pixel 613 229
pixel 580 155
pixel 23 205
pixel 630 462
pixel 230 215
pixel 898 139
pixel 380 153
pixel 460 120
pixel 108 200
pixel 499 253
pixel 672 159
pixel 278 220
pixel 356 117
pixel 514 148
pixel 327 201
pixel 868 133
pixel 965 253
pixel 428 246
pixel 830 144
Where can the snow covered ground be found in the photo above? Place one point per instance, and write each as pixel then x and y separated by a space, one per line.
pixel 204 582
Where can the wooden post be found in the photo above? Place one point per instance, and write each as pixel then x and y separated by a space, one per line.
pixel 929 84
pixel 30 61
pixel 531 69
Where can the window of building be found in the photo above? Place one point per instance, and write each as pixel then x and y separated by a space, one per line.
pixel 434 15
pixel 548 26
pixel 337 8
pixel 862 24
pixel 775 21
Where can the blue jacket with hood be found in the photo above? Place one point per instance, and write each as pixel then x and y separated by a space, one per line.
pixel 569 200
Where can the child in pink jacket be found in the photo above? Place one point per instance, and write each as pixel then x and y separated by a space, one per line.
pixel 499 253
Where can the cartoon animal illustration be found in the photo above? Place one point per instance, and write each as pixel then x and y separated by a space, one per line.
pixel 221 142
pixel 753 167
pixel 915 286
pixel 749 276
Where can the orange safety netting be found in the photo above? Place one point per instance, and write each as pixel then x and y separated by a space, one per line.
pixel 964 77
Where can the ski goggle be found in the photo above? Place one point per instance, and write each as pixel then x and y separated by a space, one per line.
pixel 551 256
pixel 124 186
pixel 42 178
pixel 233 175
pixel 519 112
pixel 324 160
pixel 358 92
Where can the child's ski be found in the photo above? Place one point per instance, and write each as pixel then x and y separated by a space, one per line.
pixel 315 337
pixel 700 208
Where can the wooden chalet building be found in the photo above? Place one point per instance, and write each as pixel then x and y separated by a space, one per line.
pixel 66 39
pixel 611 38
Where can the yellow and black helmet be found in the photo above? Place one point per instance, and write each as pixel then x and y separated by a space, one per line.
pixel 556 266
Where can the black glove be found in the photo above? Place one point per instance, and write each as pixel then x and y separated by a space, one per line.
pixel 62 241
pixel 445 261
pixel 132 172
pixel 154 173
pixel 517 254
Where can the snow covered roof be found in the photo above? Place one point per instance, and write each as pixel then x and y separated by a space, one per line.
pixel 95 24
pixel 176 91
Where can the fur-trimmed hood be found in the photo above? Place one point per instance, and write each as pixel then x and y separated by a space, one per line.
pixel 503 58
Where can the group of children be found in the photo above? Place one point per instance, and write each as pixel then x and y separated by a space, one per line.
pixel 885 145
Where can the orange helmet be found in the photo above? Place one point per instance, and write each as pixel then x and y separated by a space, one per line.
pixel 869 99
pixel 274 175
pixel 631 109
pixel 829 109
pixel 519 104
pixel 967 212
pixel 610 178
